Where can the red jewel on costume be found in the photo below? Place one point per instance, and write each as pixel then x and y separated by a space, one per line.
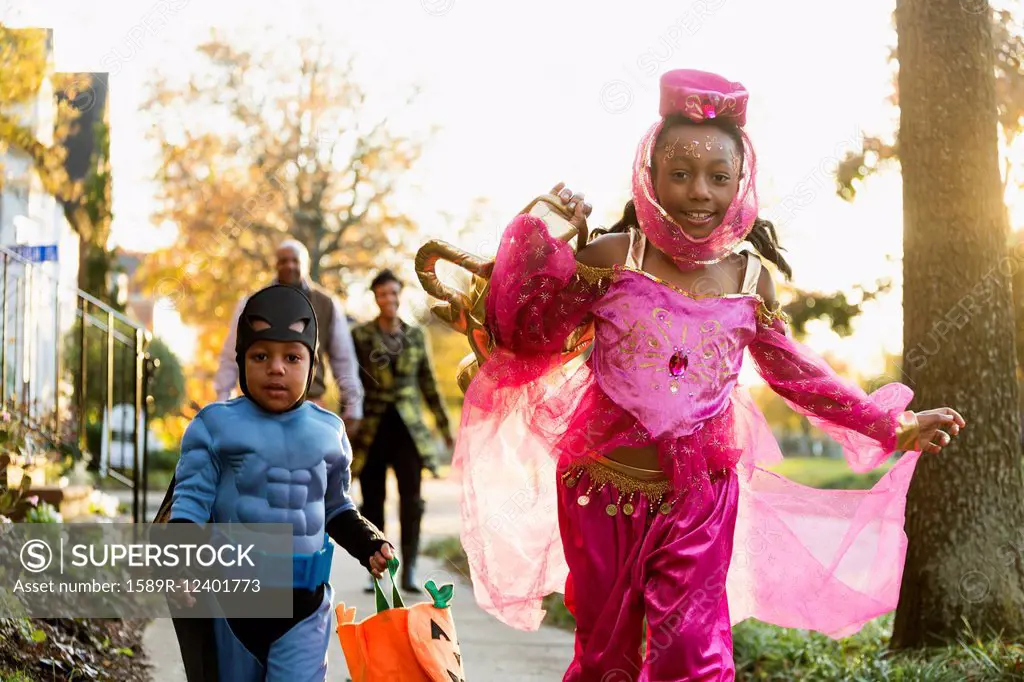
pixel 709 110
pixel 678 364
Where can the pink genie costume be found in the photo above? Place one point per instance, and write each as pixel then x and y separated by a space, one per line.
pixel 713 538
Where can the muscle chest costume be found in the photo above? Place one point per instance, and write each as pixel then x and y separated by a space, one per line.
pixel 663 371
pixel 243 464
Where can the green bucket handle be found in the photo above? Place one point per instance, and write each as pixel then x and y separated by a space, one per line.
pixel 396 596
pixel 441 596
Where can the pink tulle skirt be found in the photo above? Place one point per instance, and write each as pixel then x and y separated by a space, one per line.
pixel 803 558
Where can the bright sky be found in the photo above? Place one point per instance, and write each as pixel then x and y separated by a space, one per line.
pixel 530 93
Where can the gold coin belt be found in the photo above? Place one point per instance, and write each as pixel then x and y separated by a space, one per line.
pixel 657 492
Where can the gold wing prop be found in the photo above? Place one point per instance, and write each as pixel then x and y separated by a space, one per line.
pixel 464 311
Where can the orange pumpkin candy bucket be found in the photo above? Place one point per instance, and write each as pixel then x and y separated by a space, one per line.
pixel 402 644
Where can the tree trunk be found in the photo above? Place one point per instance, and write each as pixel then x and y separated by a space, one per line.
pixel 965 506
pixel 1017 285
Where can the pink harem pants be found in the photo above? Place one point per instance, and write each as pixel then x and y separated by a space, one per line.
pixel 635 551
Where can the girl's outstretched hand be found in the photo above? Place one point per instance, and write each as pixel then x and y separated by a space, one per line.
pixel 938 428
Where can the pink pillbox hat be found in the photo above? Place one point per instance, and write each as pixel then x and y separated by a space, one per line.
pixel 700 95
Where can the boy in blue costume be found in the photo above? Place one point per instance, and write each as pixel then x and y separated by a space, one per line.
pixel 270 456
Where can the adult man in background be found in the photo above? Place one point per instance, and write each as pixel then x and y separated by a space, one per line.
pixel 396 371
pixel 332 328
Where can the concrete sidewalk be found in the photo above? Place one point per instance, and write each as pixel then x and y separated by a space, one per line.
pixel 492 652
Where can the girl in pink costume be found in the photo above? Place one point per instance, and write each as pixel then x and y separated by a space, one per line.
pixel 648 453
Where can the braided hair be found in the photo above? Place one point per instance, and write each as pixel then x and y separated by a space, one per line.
pixel 762 235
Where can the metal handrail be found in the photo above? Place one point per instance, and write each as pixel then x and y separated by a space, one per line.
pixel 101 324
pixel 120 317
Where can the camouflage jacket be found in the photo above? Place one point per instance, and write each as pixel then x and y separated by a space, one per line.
pixel 400 380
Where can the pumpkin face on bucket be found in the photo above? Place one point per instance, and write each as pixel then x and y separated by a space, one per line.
pixel 406 644
pixel 432 632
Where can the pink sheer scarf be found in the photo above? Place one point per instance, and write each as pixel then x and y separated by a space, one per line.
pixel 664 232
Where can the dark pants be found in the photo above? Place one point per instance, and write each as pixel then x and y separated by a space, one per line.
pixel 394 447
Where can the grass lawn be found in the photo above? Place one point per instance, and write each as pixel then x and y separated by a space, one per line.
pixel 828 473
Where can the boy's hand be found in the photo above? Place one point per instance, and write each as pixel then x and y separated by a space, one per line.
pixel 379 561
